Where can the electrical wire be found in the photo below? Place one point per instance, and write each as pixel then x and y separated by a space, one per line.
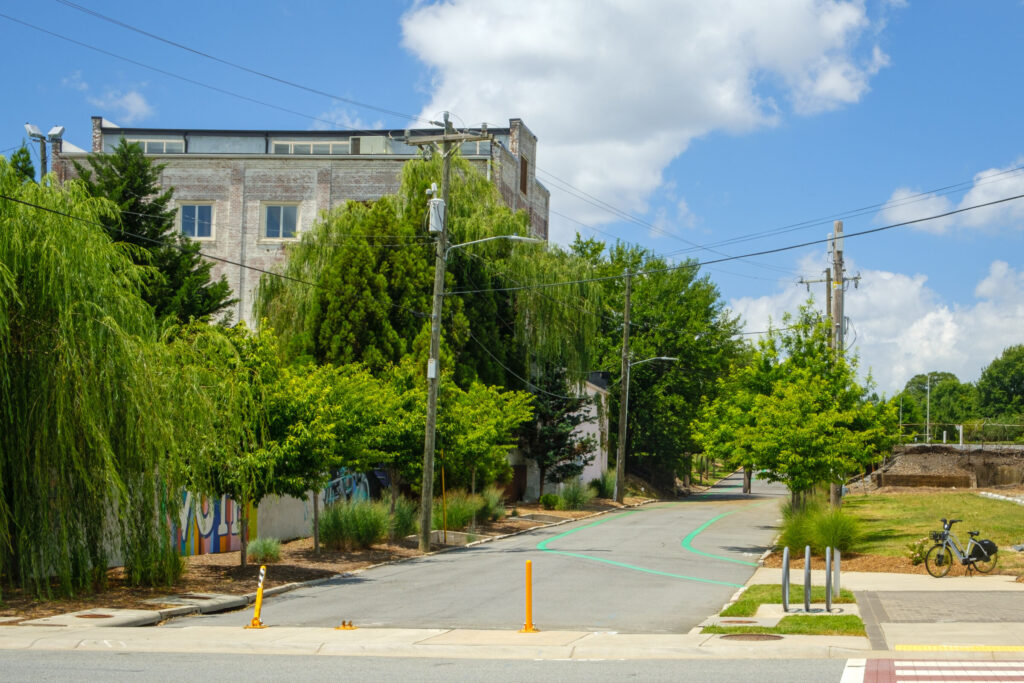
pixel 235 65
pixel 164 72
pixel 282 276
pixel 777 250
pixel 526 382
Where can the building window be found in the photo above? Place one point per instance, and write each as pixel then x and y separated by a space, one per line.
pixel 524 174
pixel 322 148
pixel 160 146
pixel 280 221
pixel 197 221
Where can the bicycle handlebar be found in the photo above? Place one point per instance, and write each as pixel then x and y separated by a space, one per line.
pixel 947 524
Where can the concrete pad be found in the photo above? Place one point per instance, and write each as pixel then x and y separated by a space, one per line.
pixel 100 618
pixel 205 603
pixel 480 637
pixel 954 634
pixel 8 620
pixel 880 581
pixel 768 610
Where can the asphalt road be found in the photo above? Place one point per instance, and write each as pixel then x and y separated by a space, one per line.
pixel 661 568
pixel 109 666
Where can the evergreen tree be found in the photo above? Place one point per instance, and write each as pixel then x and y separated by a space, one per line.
pixel 21 164
pixel 179 283
pixel 552 440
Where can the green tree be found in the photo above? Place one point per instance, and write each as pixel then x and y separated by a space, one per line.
pixel 796 412
pixel 675 313
pixel 551 440
pixel 1001 385
pixel 178 283
pixel 21 163
pixel 92 420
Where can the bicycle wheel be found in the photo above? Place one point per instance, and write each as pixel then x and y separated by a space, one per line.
pixel 985 566
pixel 938 561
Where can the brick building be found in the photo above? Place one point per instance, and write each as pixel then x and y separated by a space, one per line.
pixel 246 194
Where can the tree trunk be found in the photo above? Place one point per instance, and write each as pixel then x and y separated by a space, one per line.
pixel 315 493
pixel 687 469
pixel 835 495
pixel 794 500
pixel 243 532
pixel 747 476
pixel 472 491
pixel 393 480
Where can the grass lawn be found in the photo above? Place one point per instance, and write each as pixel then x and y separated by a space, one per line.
pixel 802 625
pixel 892 522
pixel 762 593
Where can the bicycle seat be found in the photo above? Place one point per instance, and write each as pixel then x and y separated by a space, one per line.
pixel 973 533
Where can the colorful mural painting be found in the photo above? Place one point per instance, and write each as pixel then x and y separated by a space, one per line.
pixel 209 526
pixel 346 485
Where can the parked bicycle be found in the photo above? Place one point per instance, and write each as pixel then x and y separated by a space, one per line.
pixel 979 555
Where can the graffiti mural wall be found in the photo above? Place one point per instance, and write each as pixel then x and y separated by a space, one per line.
pixel 346 484
pixel 209 526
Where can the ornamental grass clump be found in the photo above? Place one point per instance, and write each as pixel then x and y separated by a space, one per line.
pixel 604 486
pixel 458 508
pixel 403 521
pixel 264 550
pixel 494 504
pixel 574 496
pixel 354 525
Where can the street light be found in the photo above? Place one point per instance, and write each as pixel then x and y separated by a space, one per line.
pixel 620 456
pixel 53 136
pixel 438 224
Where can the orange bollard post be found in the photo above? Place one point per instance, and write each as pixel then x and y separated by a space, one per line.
pixel 256 623
pixel 528 625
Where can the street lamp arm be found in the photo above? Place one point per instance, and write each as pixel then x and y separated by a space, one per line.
pixel 513 238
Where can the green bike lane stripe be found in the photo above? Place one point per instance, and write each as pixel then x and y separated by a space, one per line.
pixel 688 542
pixel 543 545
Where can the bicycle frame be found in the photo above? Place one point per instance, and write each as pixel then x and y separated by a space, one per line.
pixel 951 542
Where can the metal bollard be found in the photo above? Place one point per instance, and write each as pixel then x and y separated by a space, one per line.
pixel 785 579
pixel 256 623
pixel 828 579
pixel 528 625
pixel 807 579
pixel 835 575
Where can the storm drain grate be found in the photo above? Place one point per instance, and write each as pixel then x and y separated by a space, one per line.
pixel 94 616
pixel 751 636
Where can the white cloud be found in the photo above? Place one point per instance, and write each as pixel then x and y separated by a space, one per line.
pixel 129 107
pixel 75 82
pixel 988 186
pixel 900 328
pixel 340 117
pixel 615 89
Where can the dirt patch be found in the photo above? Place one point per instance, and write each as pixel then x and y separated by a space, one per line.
pixel 221 573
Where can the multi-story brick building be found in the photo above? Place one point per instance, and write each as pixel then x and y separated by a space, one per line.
pixel 247 194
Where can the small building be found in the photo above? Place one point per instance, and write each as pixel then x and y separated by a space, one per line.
pixel 247 194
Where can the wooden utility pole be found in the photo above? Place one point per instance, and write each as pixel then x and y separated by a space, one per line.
pixel 447 140
pixel 620 456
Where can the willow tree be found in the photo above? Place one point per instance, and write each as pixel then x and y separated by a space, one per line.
pixel 88 433
pixel 372 266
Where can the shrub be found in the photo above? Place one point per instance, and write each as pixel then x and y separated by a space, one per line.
pixel 461 508
pixel 263 550
pixel 917 550
pixel 604 486
pixel 494 503
pixel 549 501
pixel 403 522
pixel 819 528
pixel 354 525
pixel 835 529
pixel 574 496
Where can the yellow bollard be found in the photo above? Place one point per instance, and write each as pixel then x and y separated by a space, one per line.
pixel 256 623
pixel 528 626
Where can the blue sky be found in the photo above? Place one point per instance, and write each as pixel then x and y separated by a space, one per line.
pixel 707 122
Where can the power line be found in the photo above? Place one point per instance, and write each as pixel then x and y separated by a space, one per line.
pixel 282 276
pixel 525 382
pixel 701 264
pixel 164 72
pixel 235 65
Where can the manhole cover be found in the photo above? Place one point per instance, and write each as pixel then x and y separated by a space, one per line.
pixel 738 621
pixel 193 596
pixel 751 636
pixel 94 616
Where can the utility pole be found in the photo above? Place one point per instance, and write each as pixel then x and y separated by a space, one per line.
pixel 447 140
pixel 620 456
